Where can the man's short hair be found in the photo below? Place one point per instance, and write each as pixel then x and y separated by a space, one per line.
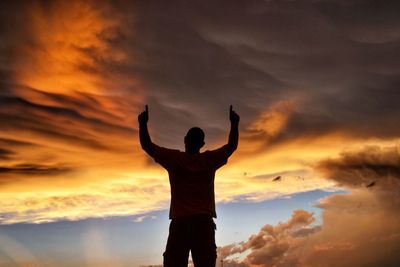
pixel 195 135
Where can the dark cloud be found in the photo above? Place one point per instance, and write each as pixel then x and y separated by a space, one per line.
pixel 24 172
pixel 364 21
pixel 14 143
pixel 5 154
pixel 189 79
pixel 9 148
pixel 46 130
pixel 34 169
pixel 21 105
pixel 64 124
pixel 270 51
pixel 360 168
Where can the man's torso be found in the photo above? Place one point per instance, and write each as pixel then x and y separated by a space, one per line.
pixel 191 178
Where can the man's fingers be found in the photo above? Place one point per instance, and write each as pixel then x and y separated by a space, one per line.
pixel 146 109
pixel 230 109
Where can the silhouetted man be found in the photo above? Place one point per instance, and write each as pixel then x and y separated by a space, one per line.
pixel 191 176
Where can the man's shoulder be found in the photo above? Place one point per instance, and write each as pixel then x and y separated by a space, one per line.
pixel 222 149
pixel 217 157
pixel 165 149
pixel 162 154
pixel 207 153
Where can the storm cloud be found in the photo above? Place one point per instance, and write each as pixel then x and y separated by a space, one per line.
pixel 378 165
pixel 308 78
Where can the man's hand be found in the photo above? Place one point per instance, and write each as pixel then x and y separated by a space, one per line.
pixel 233 116
pixel 234 133
pixel 143 117
pixel 144 136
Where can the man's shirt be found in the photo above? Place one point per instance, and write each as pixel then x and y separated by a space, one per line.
pixel 191 177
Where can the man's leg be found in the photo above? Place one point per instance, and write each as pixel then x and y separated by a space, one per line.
pixel 177 251
pixel 204 250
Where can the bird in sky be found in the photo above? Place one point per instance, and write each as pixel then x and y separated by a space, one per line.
pixel 277 178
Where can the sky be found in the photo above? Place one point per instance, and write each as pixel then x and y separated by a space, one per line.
pixel 316 83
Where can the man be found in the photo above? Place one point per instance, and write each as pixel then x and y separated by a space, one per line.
pixel 191 176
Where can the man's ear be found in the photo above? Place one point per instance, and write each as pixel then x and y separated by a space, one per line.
pixel 202 144
pixel 185 139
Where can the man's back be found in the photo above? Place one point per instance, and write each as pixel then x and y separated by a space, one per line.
pixel 191 177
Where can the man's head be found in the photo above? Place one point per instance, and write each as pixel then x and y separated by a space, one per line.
pixel 194 139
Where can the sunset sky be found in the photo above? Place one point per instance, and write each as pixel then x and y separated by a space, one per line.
pixel 317 86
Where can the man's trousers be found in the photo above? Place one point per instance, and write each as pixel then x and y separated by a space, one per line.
pixel 194 233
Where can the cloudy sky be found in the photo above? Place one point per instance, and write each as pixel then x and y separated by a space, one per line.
pixel 316 83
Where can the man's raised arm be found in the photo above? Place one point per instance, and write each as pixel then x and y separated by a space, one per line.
pixel 234 133
pixel 145 140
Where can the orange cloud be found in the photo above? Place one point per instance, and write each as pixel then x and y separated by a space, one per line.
pixel 267 126
pixel 69 122
pixel 68 42
pixel 274 120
